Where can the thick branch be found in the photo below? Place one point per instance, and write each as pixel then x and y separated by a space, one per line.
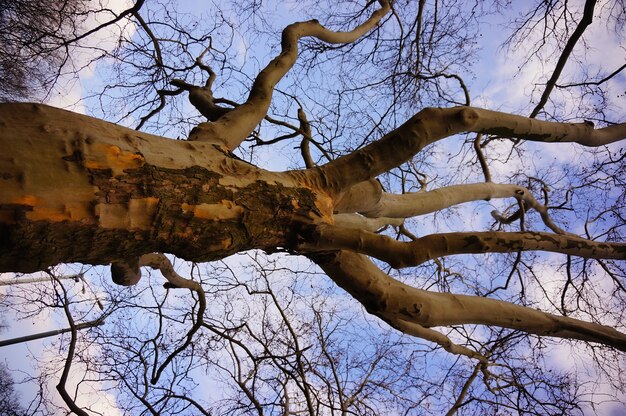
pixel 406 254
pixel 361 197
pixel 392 300
pixel 420 203
pixel 433 124
pixel 234 127
pixel 359 222
pixel 158 261
pixel 494 122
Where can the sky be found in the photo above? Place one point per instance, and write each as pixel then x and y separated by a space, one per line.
pixel 498 85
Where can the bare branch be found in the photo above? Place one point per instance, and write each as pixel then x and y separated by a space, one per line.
pixel 417 330
pixel 61 386
pixel 459 400
pixel 481 158
pixel 420 203
pixel 234 127
pixel 406 254
pixel 565 54
pixel 433 124
pixel 599 82
pixel 390 300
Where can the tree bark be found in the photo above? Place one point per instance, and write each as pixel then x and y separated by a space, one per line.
pixel 77 189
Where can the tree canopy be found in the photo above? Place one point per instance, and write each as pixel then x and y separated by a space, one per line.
pixel 407 207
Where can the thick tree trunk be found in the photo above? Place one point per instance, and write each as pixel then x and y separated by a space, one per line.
pixel 77 189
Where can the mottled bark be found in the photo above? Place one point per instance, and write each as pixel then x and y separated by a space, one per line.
pixel 77 189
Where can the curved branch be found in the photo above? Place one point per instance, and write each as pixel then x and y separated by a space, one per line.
pixel 408 254
pixel 305 127
pixel 233 128
pixel 160 262
pixel 162 102
pixel 61 386
pixel 599 82
pixel 202 99
pixel 129 273
pixel 433 124
pixel 417 330
pixel 481 158
pixel 392 300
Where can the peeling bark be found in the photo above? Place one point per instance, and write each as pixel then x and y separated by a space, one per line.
pixel 76 189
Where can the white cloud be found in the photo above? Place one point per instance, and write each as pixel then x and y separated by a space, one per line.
pixel 68 91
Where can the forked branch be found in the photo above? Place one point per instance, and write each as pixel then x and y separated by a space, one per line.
pixel 128 273
pixel 421 203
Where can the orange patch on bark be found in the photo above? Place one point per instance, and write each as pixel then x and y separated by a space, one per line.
pixel 223 210
pixel 325 205
pixel 137 214
pixel 114 158
pixel 30 200
pixel 43 210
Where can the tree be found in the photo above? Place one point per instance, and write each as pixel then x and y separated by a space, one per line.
pixel 34 44
pixel 78 189
pixel 9 400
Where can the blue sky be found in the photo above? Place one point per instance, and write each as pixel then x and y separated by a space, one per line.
pixel 497 85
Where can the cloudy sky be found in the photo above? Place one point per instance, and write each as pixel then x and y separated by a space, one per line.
pixel 498 84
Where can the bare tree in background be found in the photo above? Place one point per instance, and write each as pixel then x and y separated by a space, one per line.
pixel 34 41
pixel 9 400
pixel 351 100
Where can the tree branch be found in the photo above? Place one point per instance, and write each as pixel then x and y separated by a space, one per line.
pixel 233 128
pixel 160 262
pixel 433 124
pixel 599 82
pixel 417 330
pixel 61 386
pixel 421 203
pixel 565 54
pixel 401 254
pixel 359 222
pixel 391 300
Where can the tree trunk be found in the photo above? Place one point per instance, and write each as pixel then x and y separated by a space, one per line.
pixel 77 189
